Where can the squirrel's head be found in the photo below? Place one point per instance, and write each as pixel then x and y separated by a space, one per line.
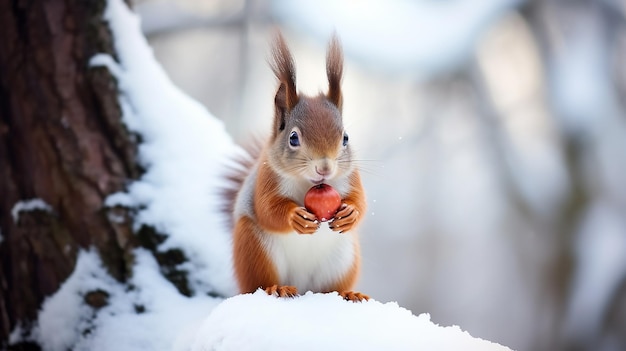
pixel 308 138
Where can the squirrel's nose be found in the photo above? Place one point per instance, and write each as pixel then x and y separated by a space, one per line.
pixel 323 170
pixel 325 167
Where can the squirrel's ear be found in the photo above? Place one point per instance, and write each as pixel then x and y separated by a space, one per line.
pixel 283 66
pixel 334 71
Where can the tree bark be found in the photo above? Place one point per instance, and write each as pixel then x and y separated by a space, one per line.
pixel 62 141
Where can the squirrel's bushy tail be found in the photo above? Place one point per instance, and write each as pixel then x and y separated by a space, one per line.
pixel 236 171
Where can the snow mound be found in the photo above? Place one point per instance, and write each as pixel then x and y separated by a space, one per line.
pixel 321 322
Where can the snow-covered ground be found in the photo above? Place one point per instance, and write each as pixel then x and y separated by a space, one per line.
pixel 322 322
pixel 183 150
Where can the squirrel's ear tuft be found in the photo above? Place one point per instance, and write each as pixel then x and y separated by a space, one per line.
pixel 334 71
pixel 283 66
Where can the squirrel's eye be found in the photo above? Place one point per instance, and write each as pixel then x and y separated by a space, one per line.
pixel 294 140
pixel 345 139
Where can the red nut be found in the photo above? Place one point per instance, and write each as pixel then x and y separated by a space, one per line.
pixel 323 201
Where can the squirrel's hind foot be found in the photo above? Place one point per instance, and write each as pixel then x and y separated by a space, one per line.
pixel 282 290
pixel 354 296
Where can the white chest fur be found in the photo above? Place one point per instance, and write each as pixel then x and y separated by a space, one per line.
pixel 311 262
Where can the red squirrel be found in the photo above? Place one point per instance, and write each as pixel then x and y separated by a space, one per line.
pixel 278 245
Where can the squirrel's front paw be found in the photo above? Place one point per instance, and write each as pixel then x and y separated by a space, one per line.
pixel 303 221
pixel 346 218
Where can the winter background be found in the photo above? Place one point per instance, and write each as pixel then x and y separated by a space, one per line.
pixel 493 140
pixel 495 134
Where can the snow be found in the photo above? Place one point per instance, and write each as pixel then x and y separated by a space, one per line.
pixel 183 150
pixel 29 205
pixel 66 322
pixel 17 334
pixel 322 322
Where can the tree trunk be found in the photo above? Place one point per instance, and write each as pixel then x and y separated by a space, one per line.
pixel 61 141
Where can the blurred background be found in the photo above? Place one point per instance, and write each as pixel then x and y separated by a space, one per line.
pixel 491 135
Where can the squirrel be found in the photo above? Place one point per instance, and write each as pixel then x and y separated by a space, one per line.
pixel 278 245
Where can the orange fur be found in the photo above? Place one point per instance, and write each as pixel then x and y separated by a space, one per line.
pixel 334 71
pixel 272 210
pixel 356 196
pixel 253 267
pixel 286 96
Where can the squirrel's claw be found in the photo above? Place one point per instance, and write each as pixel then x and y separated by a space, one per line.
pixel 303 221
pixel 282 290
pixel 345 219
pixel 354 296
